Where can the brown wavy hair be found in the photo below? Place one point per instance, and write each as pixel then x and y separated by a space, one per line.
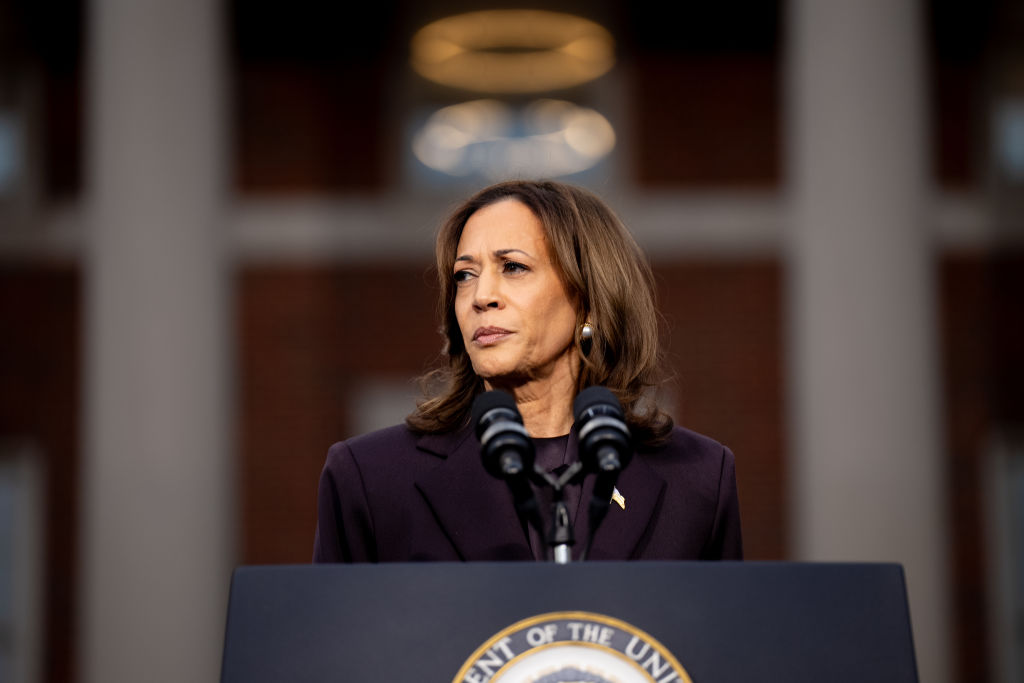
pixel 606 275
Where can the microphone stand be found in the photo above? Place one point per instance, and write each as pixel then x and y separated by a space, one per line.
pixel 560 538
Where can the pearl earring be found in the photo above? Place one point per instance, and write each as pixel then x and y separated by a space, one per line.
pixel 587 331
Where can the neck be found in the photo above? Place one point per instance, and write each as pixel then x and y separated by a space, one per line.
pixel 544 404
pixel 543 415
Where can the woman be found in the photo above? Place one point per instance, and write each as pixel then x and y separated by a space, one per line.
pixel 543 293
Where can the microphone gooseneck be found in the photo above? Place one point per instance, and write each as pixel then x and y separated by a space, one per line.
pixel 507 450
pixel 605 448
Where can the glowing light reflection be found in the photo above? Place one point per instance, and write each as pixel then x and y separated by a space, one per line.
pixel 546 138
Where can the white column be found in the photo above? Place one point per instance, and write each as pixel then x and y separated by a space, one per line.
pixel 867 472
pixel 157 529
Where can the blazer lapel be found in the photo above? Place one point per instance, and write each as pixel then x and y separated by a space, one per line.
pixel 474 509
pixel 621 531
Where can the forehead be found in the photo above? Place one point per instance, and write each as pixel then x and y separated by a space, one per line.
pixel 507 224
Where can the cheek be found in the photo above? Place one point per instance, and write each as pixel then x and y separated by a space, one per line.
pixel 458 308
pixel 459 311
pixel 560 323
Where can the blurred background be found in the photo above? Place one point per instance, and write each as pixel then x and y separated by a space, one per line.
pixel 216 227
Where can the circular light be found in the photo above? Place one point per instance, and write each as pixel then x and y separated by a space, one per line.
pixel 512 51
pixel 546 138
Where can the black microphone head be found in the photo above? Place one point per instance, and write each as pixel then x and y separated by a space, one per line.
pixel 505 445
pixel 596 401
pixel 484 403
pixel 603 435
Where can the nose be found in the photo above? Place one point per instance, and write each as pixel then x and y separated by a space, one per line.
pixel 488 292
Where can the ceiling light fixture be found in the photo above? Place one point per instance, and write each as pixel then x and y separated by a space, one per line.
pixel 512 51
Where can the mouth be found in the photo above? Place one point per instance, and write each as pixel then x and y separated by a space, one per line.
pixel 489 335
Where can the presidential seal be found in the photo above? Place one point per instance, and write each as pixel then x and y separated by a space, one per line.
pixel 572 647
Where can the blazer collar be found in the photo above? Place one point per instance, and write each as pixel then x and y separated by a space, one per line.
pixel 477 511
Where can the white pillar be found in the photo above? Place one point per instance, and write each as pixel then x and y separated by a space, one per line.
pixel 865 391
pixel 157 523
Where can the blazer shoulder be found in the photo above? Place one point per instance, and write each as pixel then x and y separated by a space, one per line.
pixel 396 436
pixel 691 456
pixel 391 440
pixel 688 443
pixel 392 446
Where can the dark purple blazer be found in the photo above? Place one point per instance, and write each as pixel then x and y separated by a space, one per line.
pixel 395 496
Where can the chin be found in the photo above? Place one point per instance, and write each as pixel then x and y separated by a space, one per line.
pixel 495 374
pixel 491 366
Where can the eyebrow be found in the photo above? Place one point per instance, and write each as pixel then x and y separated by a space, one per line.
pixel 499 253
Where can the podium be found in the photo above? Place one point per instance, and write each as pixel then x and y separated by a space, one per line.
pixel 714 622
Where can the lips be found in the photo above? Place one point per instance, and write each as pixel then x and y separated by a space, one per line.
pixel 489 335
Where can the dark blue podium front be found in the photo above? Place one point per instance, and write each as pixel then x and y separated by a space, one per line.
pixel 724 622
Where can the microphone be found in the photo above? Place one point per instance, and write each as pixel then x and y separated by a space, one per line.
pixel 505 446
pixel 603 434
pixel 604 448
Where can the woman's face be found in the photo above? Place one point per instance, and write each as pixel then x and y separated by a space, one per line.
pixel 514 313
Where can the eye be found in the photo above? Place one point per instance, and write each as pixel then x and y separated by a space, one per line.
pixel 514 267
pixel 461 276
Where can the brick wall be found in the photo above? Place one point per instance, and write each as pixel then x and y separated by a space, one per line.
pixel 725 326
pixel 983 371
pixel 308 337
pixel 39 402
